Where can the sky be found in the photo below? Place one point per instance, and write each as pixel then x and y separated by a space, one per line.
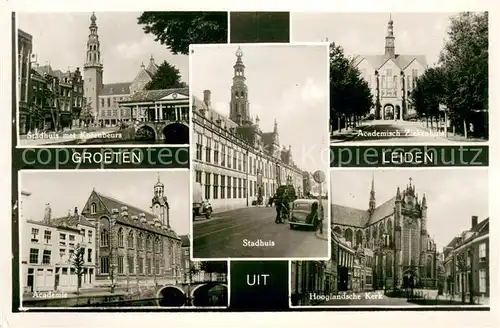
pixel 65 190
pixel 61 39
pixel 364 33
pixel 452 195
pixel 286 83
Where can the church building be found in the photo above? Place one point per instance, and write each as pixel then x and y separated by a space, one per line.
pixel 391 77
pixel 135 246
pixel 235 161
pixel 396 232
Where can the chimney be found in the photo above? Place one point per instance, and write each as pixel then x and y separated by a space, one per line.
pixel 206 97
pixel 48 214
pixel 474 221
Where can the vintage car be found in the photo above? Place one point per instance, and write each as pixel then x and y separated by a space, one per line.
pixel 201 207
pixel 306 212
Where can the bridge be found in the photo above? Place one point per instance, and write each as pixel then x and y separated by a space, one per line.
pixel 171 132
pixel 211 293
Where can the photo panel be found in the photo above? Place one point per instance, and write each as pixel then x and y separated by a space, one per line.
pixel 111 239
pixel 394 79
pixel 121 79
pixel 402 238
pixel 260 151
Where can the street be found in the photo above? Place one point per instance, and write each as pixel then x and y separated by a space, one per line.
pixel 389 131
pixel 375 298
pixel 225 234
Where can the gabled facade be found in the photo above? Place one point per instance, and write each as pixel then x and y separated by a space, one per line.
pixel 135 246
pixel 235 162
pixel 391 77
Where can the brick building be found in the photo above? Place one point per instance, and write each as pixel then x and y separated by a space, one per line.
pixel 396 233
pixel 235 161
pixel 135 246
pixel 467 261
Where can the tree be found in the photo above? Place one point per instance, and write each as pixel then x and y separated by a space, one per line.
pixel 464 58
pixel 78 262
pixel 350 96
pixel 86 114
pixel 177 30
pixel 429 93
pixel 167 77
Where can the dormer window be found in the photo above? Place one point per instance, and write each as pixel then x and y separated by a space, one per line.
pixel 93 208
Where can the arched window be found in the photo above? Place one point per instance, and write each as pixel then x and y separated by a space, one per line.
pixel 367 235
pixel 104 237
pixel 130 239
pixel 104 232
pixel 359 237
pixel 348 235
pixel 158 245
pixel 149 245
pixel 140 241
pixel 429 267
pixel 381 229
pixel 374 232
pixel 388 265
pixel 93 208
pixel 120 237
pixel 338 231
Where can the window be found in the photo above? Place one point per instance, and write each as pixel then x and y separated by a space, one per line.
pixel 228 187
pixel 158 245
pixel 104 238
pixel 216 186
pixel 93 208
pixel 62 253
pixel 149 245
pixel 239 187
pixel 223 156
pixel 244 188
pixel 33 256
pixel 482 252
pixel 199 147
pixel 207 185
pixel 208 151
pixel 120 264
pixel 198 176
pixel 34 235
pixel 235 159
pixel 482 281
pixel 140 241
pixel 90 236
pixel 141 265
pixel 46 257
pixel 71 237
pixel 228 160
pixel 104 264
pixel 109 102
pixel 89 255
pixel 130 239
pixel 120 237
pixel 157 266
pixel 216 152
pixel 235 187
pixel 47 236
pixel 222 186
pixel 130 264
pixel 148 266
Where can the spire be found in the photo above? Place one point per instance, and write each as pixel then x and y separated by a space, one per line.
pixel 398 195
pixel 158 182
pixel 372 203
pixel 239 107
pixel 424 202
pixel 93 58
pixel 390 50
pixel 275 127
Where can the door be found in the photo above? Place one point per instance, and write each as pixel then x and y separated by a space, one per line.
pixel 31 282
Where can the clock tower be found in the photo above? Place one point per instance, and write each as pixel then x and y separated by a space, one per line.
pixel 390 50
pixel 159 204
pixel 92 70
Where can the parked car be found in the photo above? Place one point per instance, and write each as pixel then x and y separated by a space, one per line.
pixel 201 207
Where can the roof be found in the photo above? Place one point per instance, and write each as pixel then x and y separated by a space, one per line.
pixel 72 221
pixel 112 203
pixel 349 216
pixel 402 61
pixel 382 211
pixel 122 88
pixel 24 34
pixel 212 114
pixel 185 240
pixel 154 95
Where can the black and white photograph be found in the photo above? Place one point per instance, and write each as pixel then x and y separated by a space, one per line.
pixel 111 239
pixel 107 77
pixel 260 152
pixel 397 79
pixel 402 238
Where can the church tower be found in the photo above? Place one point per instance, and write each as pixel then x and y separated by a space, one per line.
pixel 92 69
pixel 372 204
pixel 276 141
pixel 239 107
pixel 159 203
pixel 390 50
